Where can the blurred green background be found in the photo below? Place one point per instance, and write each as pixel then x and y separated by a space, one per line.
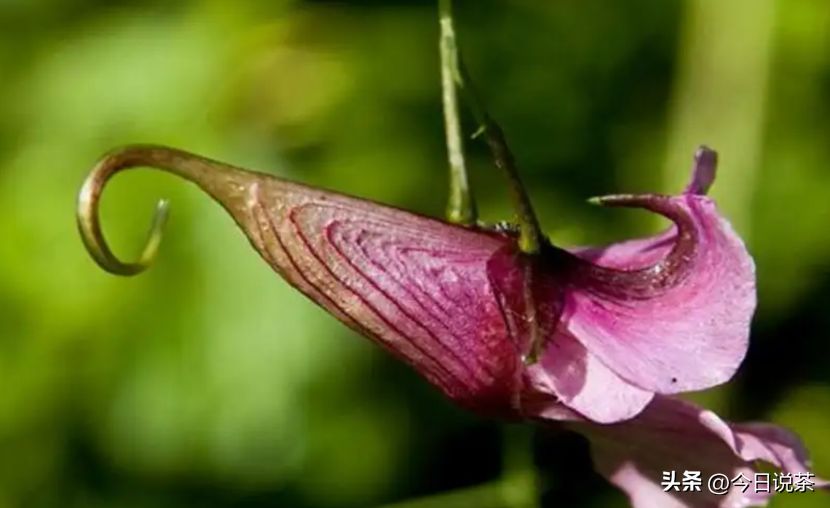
pixel 207 382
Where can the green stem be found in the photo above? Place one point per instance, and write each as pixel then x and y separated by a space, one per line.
pixel 461 208
pixel 530 237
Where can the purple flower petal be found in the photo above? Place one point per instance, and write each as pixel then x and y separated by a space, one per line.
pixel 463 307
pixel 692 333
pixel 585 384
pixel 566 370
pixel 672 435
pixel 703 172
pixel 416 286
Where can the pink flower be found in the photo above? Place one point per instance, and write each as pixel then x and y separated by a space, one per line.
pixel 462 306
pixel 673 315
pixel 615 329
pixel 666 456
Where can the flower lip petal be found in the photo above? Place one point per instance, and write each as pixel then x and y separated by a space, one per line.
pixel 672 313
pixel 675 435
pixel 584 384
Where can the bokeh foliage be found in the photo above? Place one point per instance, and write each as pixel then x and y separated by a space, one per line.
pixel 208 382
